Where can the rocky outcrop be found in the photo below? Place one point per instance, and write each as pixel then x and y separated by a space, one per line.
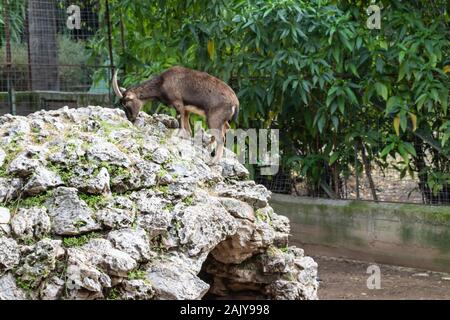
pixel 93 207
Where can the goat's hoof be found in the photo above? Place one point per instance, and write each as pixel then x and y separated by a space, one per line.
pixel 214 162
pixel 183 134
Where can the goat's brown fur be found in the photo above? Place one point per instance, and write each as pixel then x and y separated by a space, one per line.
pixel 188 91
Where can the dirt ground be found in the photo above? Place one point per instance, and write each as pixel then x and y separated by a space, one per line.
pixel 347 279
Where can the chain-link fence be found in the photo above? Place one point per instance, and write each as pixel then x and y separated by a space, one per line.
pixel 45 62
pixel 423 179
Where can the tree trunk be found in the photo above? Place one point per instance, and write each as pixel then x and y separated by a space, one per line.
pixel 368 170
pixel 42 45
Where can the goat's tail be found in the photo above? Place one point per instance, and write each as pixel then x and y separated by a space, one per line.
pixel 235 113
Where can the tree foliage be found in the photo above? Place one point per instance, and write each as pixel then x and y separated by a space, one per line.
pixel 313 69
pixel 16 10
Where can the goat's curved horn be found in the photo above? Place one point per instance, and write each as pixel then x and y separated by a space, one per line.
pixel 118 91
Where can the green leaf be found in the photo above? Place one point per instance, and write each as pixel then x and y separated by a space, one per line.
pixel 336 53
pixel 413 120
pixel 421 100
pixel 401 56
pixel 333 158
pixel 382 90
pixel 402 71
pixel 345 41
pixel 434 95
pixel 341 103
pixel 387 149
pixel 335 121
pixel 397 125
pixel 211 49
pixel 351 95
pixel 392 104
pixel 334 106
pixel 330 98
pixel 403 153
pixel 352 68
pixel 321 123
pixel 409 148
pixel 403 122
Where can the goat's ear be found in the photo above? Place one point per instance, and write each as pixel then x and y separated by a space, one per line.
pixel 130 96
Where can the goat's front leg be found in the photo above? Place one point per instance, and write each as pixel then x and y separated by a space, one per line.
pixel 184 118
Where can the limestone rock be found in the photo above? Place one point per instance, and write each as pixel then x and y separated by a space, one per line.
pixel 282 229
pixel 160 155
pixel 69 214
pixel 24 164
pixel 135 242
pixel 66 152
pixel 9 289
pixel 279 274
pixel 167 121
pixel 86 181
pixel 238 208
pixel 232 168
pixel 248 191
pixel 84 280
pixel 52 289
pixel 288 290
pixel 172 281
pixel 2 157
pixel 136 290
pixel 31 223
pixel 154 217
pixel 204 226
pixel 40 262
pixel 5 215
pixel 9 254
pixel 42 180
pixel 5 229
pixel 249 239
pixel 91 267
pixel 101 253
pixel 107 209
pixel 114 217
pixel 104 151
pixel 9 188
pixel 147 173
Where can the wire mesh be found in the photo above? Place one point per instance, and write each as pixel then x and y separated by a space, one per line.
pixel 45 58
pixel 45 63
pixel 391 180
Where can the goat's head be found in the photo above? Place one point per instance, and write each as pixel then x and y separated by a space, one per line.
pixel 129 100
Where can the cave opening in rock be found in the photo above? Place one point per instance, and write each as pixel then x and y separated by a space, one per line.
pixel 222 288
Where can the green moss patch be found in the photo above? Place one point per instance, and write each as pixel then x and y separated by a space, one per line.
pixel 79 241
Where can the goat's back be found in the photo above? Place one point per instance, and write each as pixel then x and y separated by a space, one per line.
pixel 197 88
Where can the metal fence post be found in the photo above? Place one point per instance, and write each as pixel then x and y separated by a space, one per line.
pixel 11 97
pixel 111 57
pixel 356 171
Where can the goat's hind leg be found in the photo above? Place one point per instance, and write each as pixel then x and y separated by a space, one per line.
pixel 219 149
pixel 186 125
pixel 218 137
